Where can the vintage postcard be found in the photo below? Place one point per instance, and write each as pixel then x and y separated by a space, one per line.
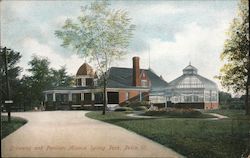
pixel 143 78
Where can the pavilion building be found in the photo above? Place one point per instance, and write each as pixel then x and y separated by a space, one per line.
pixel 123 85
pixel 192 90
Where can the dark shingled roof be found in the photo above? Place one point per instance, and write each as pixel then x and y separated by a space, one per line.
pixel 122 78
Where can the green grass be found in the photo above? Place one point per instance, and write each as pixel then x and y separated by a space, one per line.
pixel 194 138
pixel 7 128
pixel 230 113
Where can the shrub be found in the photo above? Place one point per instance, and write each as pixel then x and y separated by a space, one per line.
pixel 140 108
pixel 138 103
pixel 123 109
pixel 174 112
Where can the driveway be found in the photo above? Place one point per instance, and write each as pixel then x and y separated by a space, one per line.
pixel 71 134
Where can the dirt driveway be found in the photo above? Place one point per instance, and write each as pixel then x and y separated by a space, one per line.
pixel 71 134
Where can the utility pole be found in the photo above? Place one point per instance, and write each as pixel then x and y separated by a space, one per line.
pixel 8 101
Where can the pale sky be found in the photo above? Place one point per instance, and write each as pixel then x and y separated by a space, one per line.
pixel 174 32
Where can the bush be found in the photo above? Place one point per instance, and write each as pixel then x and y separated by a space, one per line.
pixel 174 112
pixel 123 109
pixel 140 108
pixel 138 103
pixel 233 105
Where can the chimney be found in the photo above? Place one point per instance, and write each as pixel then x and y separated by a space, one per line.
pixel 136 71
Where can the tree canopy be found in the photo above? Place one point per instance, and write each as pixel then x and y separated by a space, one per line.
pixel 12 57
pixel 60 77
pixel 234 75
pixel 100 34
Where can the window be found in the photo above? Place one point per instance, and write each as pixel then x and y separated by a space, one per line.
pixel 190 82
pixel 78 82
pixel 187 98
pixel 214 96
pixel 207 96
pixel 89 82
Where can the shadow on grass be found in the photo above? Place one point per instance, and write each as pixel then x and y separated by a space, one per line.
pixel 126 119
pixel 10 127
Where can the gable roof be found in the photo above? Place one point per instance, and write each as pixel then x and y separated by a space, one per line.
pixel 123 78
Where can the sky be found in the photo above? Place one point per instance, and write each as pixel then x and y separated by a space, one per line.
pixel 169 34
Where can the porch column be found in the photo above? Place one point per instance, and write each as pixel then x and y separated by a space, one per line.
pixel 192 96
pixel 166 102
pixel 140 95
pixel 54 97
pixel 70 96
pixel 45 97
pixel 92 96
pixel 82 96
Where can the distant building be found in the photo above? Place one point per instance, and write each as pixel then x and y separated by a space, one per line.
pixel 192 90
pixel 124 85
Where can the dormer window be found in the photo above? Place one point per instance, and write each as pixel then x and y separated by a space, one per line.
pixel 89 82
pixel 85 76
pixel 79 82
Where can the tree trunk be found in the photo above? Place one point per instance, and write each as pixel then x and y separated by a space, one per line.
pixel 247 106
pixel 7 84
pixel 247 100
pixel 104 94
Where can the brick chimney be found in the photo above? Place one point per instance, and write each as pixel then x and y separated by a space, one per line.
pixel 136 71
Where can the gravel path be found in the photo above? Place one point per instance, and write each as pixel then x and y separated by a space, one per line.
pixel 71 134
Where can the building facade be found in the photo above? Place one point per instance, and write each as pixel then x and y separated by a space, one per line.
pixel 192 90
pixel 123 85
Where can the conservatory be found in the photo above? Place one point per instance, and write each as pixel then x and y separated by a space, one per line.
pixel 192 90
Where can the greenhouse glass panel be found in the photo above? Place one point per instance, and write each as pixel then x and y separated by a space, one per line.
pixel 190 82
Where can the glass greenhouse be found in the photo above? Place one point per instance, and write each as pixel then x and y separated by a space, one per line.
pixel 192 90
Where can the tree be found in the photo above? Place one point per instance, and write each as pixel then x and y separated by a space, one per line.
pixel 224 98
pixel 39 80
pixel 235 73
pixel 42 78
pixel 100 34
pixel 60 78
pixel 26 93
pixel 9 72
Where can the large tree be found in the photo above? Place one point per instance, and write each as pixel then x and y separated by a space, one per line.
pixel 8 90
pixel 12 58
pixel 100 34
pixel 40 78
pixel 235 73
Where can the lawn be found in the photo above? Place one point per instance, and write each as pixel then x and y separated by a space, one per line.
pixel 234 114
pixel 7 128
pixel 194 138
